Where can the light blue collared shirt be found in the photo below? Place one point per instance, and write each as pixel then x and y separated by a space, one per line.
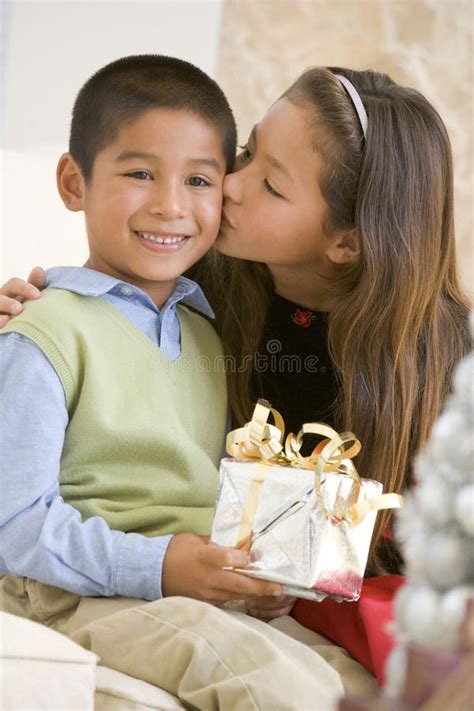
pixel 41 536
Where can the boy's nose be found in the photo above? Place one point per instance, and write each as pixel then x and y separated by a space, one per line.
pixel 170 204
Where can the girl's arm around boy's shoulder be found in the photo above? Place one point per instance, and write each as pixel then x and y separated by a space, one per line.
pixel 43 537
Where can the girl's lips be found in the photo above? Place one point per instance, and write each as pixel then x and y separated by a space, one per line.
pixel 159 247
pixel 225 221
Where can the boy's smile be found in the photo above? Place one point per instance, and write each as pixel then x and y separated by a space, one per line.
pixel 153 203
pixel 162 242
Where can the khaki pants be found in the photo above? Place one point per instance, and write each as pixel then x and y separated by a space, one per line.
pixel 209 658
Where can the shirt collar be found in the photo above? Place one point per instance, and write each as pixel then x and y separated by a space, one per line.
pixel 88 282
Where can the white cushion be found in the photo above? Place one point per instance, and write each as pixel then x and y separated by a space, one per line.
pixel 43 669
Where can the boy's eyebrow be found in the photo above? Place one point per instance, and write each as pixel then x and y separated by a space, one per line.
pixel 143 155
pixel 130 155
pixel 273 161
pixel 209 162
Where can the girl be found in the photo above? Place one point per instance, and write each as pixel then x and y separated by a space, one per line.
pixel 335 286
pixel 340 221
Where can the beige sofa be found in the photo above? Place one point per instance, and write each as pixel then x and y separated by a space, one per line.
pixel 42 669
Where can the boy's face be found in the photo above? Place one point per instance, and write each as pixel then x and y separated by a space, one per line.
pixel 153 202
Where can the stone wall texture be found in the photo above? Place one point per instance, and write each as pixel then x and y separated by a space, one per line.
pixel 426 44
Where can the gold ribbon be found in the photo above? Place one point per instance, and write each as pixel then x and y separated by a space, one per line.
pixel 244 538
pixel 262 442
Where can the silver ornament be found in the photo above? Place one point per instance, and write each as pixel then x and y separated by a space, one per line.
pixel 450 441
pixel 395 672
pixel 417 608
pixel 416 553
pixel 434 499
pixel 464 509
pixel 453 609
pixel 448 562
pixel 463 379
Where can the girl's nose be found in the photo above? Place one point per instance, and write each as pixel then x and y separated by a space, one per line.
pixel 232 188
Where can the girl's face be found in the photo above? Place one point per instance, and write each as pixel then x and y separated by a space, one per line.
pixel 273 207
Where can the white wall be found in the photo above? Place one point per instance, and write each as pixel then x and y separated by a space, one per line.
pixel 50 49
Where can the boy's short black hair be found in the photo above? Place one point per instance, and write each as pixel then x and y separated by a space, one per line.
pixel 124 89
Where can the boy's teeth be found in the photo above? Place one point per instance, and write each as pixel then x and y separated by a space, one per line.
pixel 161 240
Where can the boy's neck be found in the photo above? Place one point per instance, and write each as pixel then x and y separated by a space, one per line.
pixel 159 292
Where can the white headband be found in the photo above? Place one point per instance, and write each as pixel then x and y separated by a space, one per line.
pixel 356 100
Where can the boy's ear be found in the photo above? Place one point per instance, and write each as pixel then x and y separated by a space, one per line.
pixel 344 249
pixel 70 183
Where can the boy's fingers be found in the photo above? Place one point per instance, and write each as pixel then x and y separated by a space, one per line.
pixel 267 588
pixel 224 594
pixel 227 557
pixel 37 277
pixel 238 585
pixel 272 602
pixel 4 320
pixel 242 587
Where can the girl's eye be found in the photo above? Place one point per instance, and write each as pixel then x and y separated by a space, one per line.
pixel 244 153
pixel 198 182
pixel 140 175
pixel 271 190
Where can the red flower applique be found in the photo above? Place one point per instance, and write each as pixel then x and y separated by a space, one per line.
pixel 303 317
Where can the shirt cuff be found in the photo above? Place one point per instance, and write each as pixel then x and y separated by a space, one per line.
pixel 138 566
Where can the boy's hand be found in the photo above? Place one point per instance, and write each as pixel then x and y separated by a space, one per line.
pixel 194 568
pixel 268 608
pixel 15 291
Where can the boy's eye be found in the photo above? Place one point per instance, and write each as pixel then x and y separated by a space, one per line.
pixel 197 182
pixel 140 175
pixel 271 190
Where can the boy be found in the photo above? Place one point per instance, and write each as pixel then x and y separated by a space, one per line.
pixel 112 432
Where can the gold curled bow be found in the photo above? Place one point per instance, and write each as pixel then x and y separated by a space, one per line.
pixel 262 442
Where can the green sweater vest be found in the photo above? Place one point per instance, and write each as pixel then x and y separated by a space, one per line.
pixel 145 434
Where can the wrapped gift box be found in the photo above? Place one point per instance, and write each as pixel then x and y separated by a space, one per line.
pixel 307 521
pixel 297 536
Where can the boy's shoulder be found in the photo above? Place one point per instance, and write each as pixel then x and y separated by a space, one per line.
pixel 56 313
pixel 59 303
pixel 51 296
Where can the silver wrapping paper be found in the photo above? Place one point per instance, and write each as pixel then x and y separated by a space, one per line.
pixel 296 537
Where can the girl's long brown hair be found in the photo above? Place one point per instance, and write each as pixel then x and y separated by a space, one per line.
pixel 400 322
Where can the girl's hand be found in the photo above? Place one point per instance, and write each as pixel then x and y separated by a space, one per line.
pixel 15 291
pixel 194 568
pixel 268 608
